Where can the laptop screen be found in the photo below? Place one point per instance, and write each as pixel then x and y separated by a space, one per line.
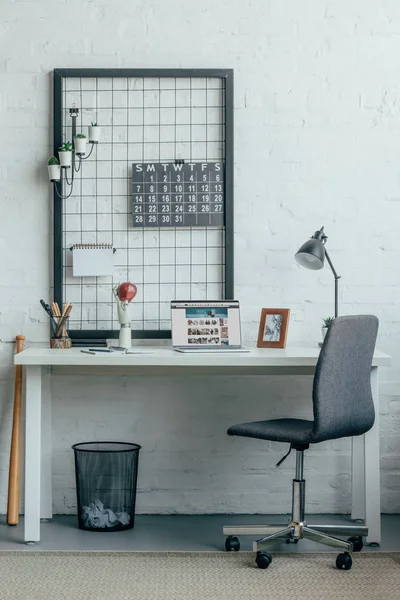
pixel 202 324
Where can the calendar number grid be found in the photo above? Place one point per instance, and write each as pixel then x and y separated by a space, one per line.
pixel 166 195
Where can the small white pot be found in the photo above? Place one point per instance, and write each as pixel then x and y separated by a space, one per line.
pixel 54 172
pixel 65 158
pixel 323 331
pixel 94 134
pixel 80 145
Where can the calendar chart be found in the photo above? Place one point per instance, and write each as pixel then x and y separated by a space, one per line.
pixel 178 194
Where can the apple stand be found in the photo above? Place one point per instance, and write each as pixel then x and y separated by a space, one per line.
pixel 125 340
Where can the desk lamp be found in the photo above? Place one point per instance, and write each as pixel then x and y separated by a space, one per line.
pixel 312 254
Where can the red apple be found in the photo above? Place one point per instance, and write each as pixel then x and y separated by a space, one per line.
pixel 127 291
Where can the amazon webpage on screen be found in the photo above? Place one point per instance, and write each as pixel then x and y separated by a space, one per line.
pixel 205 323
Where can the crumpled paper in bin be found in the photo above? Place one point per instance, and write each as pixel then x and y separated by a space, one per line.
pixel 96 516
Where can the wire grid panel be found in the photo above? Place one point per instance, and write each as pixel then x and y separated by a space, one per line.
pixel 141 119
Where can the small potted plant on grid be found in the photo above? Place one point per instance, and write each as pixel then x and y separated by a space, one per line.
pixel 65 155
pixel 94 133
pixel 327 322
pixel 53 168
pixel 80 143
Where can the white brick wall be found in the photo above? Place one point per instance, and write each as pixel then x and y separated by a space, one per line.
pixel 317 114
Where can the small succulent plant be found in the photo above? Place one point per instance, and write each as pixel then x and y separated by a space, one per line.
pixel 80 135
pixel 66 147
pixel 327 321
pixel 52 161
pixel 94 123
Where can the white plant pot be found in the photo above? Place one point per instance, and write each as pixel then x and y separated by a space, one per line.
pixel 94 134
pixel 54 172
pixel 80 145
pixel 65 158
pixel 323 331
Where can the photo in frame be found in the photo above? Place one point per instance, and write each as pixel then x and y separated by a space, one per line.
pixel 273 328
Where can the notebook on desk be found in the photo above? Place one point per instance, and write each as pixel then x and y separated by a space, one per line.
pixel 212 326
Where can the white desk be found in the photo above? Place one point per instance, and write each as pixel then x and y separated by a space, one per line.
pixel 164 361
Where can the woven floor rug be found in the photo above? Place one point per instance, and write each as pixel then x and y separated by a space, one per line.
pixel 194 576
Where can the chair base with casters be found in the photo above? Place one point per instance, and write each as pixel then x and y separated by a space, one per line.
pixel 297 528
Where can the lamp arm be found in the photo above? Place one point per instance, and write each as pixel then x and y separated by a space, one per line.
pixel 337 277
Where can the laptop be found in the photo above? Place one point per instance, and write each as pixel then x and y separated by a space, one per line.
pixel 212 326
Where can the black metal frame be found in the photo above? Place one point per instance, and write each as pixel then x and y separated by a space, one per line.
pixel 227 75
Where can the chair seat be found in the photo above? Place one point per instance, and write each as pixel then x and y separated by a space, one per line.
pixel 292 431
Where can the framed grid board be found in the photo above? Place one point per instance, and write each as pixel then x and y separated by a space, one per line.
pixel 180 118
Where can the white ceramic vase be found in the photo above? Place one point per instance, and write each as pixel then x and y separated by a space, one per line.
pixel 80 145
pixel 65 158
pixel 94 134
pixel 54 172
pixel 323 331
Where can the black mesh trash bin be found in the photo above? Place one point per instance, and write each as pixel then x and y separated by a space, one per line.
pixel 106 476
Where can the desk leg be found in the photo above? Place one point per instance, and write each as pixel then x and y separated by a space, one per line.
pixel 372 470
pixel 358 478
pixel 32 453
pixel 46 503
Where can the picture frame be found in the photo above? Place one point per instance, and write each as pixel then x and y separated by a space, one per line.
pixel 273 329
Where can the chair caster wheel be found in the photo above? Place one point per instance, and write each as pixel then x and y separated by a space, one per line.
pixel 232 543
pixel 344 561
pixel 263 559
pixel 357 543
pixel 292 541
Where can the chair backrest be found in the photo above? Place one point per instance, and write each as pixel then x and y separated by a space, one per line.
pixel 342 397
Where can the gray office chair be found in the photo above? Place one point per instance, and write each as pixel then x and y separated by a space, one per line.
pixel 343 407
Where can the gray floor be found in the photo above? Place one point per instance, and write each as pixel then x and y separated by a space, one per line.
pixel 176 533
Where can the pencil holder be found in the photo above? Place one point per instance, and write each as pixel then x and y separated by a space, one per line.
pixel 60 343
pixel 59 334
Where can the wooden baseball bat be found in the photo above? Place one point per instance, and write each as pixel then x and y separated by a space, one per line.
pixel 15 453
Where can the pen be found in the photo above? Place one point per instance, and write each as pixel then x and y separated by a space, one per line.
pixel 100 350
pixel 60 325
pixel 62 319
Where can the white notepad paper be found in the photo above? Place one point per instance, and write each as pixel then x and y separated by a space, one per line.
pixel 92 260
